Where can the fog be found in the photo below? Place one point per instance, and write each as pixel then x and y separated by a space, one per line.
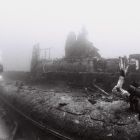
pixel 113 27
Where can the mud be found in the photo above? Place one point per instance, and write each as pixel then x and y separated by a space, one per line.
pixel 75 116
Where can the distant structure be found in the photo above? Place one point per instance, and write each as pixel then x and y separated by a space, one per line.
pixel 80 47
pixel 35 57
pixel 81 56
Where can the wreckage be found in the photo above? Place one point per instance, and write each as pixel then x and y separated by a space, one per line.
pixel 94 116
pixel 81 65
pixel 93 112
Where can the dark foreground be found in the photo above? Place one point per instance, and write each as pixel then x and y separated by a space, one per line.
pixel 79 113
pixel 15 127
pixel 75 116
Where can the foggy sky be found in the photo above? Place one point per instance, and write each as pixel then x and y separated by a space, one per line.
pixel 113 27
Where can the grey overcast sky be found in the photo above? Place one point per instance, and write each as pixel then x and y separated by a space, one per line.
pixel 113 27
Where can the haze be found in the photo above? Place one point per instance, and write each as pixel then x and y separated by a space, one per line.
pixel 113 27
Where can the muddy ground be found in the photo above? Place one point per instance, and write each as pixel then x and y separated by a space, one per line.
pixel 81 113
pixel 71 112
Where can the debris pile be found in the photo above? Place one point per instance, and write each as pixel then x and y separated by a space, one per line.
pixel 75 116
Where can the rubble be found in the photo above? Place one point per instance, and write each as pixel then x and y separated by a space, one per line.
pixel 75 116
